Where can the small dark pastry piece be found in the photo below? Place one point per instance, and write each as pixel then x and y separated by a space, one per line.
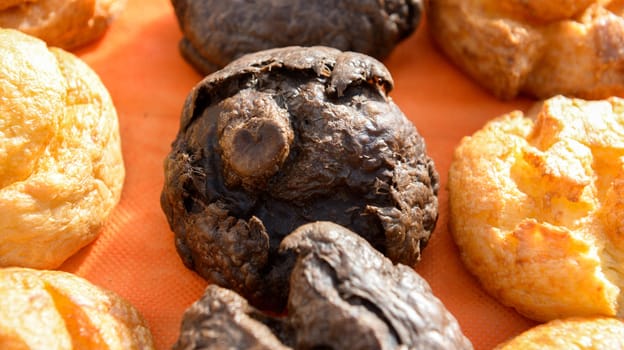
pixel 217 32
pixel 288 136
pixel 343 295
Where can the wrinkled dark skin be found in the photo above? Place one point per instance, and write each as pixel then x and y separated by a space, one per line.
pixel 216 31
pixel 285 137
pixel 343 295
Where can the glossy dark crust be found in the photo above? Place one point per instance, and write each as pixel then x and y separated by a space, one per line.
pixel 343 295
pixel 217 32
pixel 285 137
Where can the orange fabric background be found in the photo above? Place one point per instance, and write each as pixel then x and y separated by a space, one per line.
pixel 138 61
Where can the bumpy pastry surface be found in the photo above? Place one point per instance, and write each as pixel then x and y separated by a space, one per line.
pixel 42 309
pixel 61 23
pixel 537 208
pixel 599 333
pixel 539 48
pixel 217 32
pixel 287 136
pixel 344 294
pixel 61 167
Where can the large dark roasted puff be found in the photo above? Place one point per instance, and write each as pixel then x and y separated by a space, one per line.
pixel 343 295
pixel 217 31
pixel 288 136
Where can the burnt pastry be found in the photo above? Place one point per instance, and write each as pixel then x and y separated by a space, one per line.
pixel 217 32
pixel 61 167
pixel 288 136
pixel 61 23
pixel 538 48
pixel 343 295
pixel 536 208
pixel 44 309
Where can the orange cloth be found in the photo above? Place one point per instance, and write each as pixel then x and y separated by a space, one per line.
pixel 139 62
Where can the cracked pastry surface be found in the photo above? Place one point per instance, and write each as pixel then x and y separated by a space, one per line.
pixel 60 23
pixel 61 167
pixel 538 48
pixel 287 136
pixel 43 309
pixel 536 205
pixel 344 294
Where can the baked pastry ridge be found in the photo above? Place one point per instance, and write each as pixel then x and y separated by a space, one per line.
pixel 536 208
pixel 44 309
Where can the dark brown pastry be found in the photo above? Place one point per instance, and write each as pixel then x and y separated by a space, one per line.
pixel 216 32
pixel 288 136
pixel 343 295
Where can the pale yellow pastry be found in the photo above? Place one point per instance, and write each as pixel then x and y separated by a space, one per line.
pixel 47 310
pixel 62 23
pixel 596 333
pixel 537 208
pixel 61 167
pixel 536 47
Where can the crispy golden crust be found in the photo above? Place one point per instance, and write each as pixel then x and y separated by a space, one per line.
pixel 600 333
pixel 536 208
pixel 61 168
pixel 62 23
pixel 42 309
pixel 540 48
